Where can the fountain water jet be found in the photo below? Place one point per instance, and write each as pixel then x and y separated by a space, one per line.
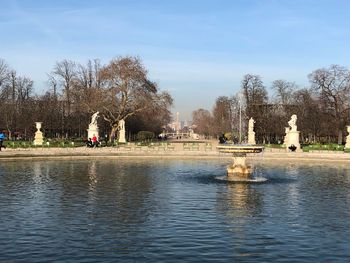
pixel 239 171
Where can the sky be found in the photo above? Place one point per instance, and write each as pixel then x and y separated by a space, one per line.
pixel 197 50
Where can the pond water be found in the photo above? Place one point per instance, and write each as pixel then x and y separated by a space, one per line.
pixel 172 211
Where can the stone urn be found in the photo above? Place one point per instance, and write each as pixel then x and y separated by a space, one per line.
pixel 38 138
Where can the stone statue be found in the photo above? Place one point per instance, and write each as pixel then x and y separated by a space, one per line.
pixel 291 139
pixel 251 133
pixel 121 126
pixel 251 125
pixel 347 143
pixel 293 123
pixel 94 118
pixel 93 128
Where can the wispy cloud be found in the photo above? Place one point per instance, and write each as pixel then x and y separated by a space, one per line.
pixel 20 16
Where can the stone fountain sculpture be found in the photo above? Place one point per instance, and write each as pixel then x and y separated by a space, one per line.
pixel 93 127
pixel 122 131
pixel 251 133
pixel 347 144
pixel 38 138
pixel 239 171
pixel 292 135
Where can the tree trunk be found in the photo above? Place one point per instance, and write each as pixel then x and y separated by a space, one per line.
pixel 112 135
pixel 10 134
pixel 340 136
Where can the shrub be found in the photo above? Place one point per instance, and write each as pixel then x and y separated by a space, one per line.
pixel 145 135
pixel 306 149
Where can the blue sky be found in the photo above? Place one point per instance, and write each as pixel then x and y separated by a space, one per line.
pixel 196 49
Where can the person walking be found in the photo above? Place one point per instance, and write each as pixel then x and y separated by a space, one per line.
pixel 2 138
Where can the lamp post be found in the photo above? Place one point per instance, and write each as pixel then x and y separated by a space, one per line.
pixel 240 117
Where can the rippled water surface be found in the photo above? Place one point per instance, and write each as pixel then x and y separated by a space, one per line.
pixel 172 211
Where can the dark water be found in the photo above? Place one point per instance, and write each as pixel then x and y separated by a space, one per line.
pixel 171 211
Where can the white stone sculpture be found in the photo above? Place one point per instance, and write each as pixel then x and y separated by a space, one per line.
pixel 122 131
pixel 38 138
pixel 93 127
pixel 94 118
pixel 347 144
pixel 292 136
pixel 293 123
pixel 251 133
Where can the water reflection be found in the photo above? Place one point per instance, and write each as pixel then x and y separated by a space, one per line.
pixel 171 210
pixel 241 202
pixel 78 200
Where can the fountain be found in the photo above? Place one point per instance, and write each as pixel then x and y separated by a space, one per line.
pixel 239 171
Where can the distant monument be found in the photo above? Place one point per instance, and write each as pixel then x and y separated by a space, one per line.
pixel 93 128
pixel 251 133
pixel 122 131
pixel 177 125
pixel 347 144
pixel 38 138
pixel 292 135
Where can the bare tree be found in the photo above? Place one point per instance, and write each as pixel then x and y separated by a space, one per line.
pixel 254 90
pixel 24 88
pixel 53 83
pixel 154 118
pixel 65 73
pixel 256 98
pixel 202 120
pixel 284 90
pixel 222 115
pixel 4 70
pixel 87 86
pixel 126 91
pixel 333 86
pixel 15 93
pixel 310 116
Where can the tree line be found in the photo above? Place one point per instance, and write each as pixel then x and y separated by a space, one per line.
pixel 323 108
pixel 120 89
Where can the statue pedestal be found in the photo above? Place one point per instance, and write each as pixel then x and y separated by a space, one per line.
pixel 347 144
pixel 122 136
pixel 38 138
pixel 251 138
pixel 93 130
pixel 293 139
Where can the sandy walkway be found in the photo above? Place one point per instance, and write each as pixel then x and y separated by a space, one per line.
pixel 177 152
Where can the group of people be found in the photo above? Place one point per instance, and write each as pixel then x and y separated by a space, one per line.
pixel 93 142
pixel 222 139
